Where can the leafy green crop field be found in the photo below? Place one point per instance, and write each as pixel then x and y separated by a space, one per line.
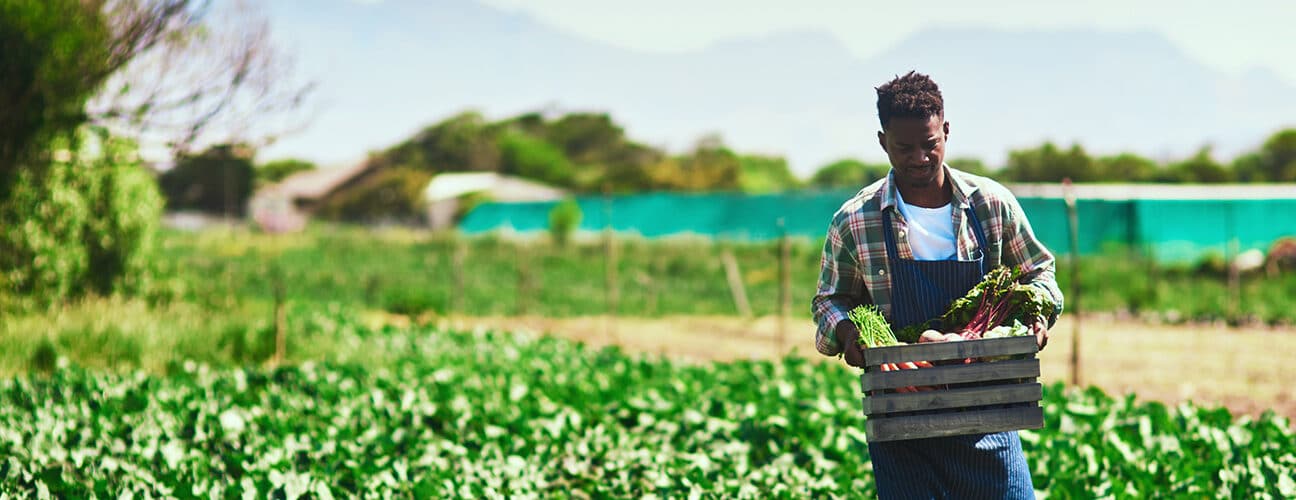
pixel 482 413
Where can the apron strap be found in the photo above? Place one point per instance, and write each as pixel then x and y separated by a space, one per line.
pixel 980 236
pixel 892 254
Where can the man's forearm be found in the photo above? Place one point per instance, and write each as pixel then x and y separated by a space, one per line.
pixel 829 312
pixel 1043 281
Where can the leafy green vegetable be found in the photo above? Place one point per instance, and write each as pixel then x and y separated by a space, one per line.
pixel 999 299
pixel 873 327
pixel 1017 329
pixel 911 333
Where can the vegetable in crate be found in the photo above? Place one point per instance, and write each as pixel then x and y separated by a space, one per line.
pixel 998 300
pixel 874 331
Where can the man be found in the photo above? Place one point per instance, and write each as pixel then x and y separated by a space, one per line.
pixel 911 243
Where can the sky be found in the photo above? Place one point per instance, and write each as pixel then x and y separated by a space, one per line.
pixel 1233 39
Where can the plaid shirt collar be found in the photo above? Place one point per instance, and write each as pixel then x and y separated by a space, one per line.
pixel 962 190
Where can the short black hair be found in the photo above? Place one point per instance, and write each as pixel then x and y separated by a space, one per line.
pixel 914 95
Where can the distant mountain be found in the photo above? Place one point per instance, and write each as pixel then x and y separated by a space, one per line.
pixel 386 70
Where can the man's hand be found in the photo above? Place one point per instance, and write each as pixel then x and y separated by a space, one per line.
pixel 848 339
pixel 1040 328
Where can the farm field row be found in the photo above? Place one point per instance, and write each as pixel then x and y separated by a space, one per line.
pixel 1203 363
pixel 484 413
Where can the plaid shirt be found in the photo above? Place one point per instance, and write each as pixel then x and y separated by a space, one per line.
pixel 856 269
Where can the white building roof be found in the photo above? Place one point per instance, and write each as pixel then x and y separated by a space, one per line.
pixel 500 187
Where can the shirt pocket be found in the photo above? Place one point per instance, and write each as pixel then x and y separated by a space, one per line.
pixel 876 277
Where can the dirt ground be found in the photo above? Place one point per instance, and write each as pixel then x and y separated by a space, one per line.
pixel 1245 369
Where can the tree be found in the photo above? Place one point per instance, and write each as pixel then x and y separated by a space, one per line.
pixel 527 156
pixel 848 173
pixel 633 167
pixel 1200 168
pixel 765 174
pixel 1126 167
pixel 1277 157
pixel 462 143
pixel 186 74
pixel 278 170
pixel 55 57
pixel 710 166
pixel 216 181
pixel 82 83
pixel 597 149
pixel 155 69
pixel 970 165
pixel 586 138
pixel 1048 163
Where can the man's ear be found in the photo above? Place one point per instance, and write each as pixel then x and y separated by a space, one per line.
pixel 882 140
pixel 946 129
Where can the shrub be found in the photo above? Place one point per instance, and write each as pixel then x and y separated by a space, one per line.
pixel 564 218
pixel 42 227
pixel 86 223
pixel 125 208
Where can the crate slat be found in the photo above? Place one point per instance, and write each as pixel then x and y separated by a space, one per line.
pixel 938 351
pixel 952 398
pixel 952 374
pixel 953 424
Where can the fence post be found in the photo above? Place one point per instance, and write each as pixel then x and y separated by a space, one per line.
pixel 785 284
pixel 610 260
pixel 1232 286
pixel 523 277
pixel 280 319
pixel 736 286
pixel 1234 283
pixel 457 252
pixel 1073 260
pixel 657 282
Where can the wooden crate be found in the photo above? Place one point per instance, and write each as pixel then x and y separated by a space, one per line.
pixel 979 397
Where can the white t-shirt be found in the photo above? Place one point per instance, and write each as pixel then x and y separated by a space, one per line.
pixel 931 230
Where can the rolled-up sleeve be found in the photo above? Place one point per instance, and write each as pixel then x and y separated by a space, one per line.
pixel 840 288
pixel 1023 250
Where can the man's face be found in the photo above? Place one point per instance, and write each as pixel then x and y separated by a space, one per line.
pixel 916 148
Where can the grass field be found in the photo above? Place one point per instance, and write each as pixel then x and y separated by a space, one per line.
pixel 214 303
pixel 412 272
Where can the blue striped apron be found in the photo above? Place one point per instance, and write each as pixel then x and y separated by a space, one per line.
pixel 958 467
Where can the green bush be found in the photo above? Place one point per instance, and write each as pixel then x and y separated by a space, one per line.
pixel 85 224
pixel 412 301
pixel 42 228
pixel 564 218
pixel 125 210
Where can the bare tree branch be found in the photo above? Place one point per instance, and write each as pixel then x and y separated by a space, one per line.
pixel 185 75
